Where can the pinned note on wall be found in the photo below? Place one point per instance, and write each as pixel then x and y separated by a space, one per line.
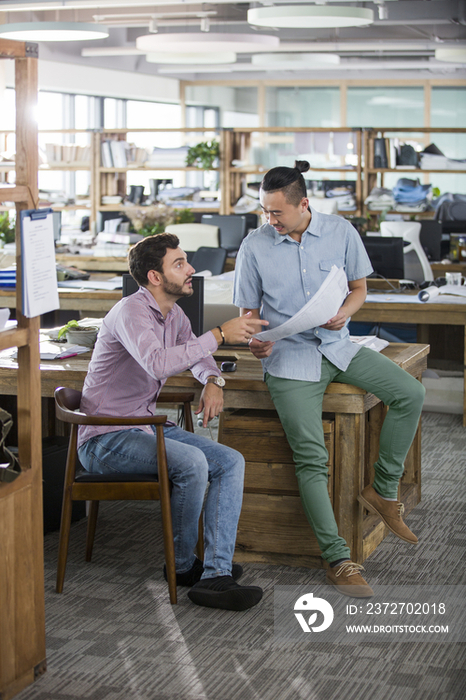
pixel 38 265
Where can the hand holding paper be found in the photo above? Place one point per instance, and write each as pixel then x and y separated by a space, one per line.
pixel 323 306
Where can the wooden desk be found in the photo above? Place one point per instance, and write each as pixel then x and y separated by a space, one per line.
pixel 423 315
pixel 356 419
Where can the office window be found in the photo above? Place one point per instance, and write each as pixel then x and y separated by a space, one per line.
pixel 448 109
pixel 237 106
pixel 298 106
pixel 386 106
pixel 114 113
pixel 153 115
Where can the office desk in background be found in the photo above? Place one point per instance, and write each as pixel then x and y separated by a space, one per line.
pixel 273 526
pixel 423 315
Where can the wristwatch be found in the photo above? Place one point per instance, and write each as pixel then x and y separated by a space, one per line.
pixel 219 381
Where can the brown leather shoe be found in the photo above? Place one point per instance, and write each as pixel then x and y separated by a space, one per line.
pixel 389 511
pixel 347 580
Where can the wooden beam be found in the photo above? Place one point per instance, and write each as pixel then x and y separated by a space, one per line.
pixel 14 193
pixel 18 49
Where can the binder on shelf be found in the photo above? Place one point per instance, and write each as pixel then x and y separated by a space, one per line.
pixel 38 264
pixel 380 154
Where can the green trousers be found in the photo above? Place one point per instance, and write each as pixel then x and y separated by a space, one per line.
pixel 299 406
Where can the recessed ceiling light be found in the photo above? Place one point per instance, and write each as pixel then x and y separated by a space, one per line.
pixel 189 42
pixel 53 31
pixel 310 16
pixel 179 58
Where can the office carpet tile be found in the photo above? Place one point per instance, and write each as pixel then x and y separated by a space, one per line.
pixel 112 634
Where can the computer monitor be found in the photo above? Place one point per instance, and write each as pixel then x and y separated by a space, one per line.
pixel 193 306
pixel 232 228
pixel 431 239
pixel 386 256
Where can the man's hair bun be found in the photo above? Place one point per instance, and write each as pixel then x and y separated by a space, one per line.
pixel 302 165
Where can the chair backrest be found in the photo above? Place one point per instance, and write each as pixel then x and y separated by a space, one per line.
pixel 193 306
pixel 232 228
pixel 212 259
pixel 193 236
pixel 416 266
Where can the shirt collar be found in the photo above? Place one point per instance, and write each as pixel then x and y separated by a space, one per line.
pixel 313 229
pixel 154 305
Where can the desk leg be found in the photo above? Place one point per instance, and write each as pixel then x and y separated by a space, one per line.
pixel 464 379
pixel 349 475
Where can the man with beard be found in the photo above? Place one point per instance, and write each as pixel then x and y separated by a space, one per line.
pixel 144 339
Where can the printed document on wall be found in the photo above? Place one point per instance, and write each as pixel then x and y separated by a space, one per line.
pixel 38 265
pixel 318 310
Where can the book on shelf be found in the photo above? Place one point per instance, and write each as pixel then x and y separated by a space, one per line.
pixel 118 151
pixel 106 154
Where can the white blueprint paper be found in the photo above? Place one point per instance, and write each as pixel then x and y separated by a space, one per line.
pixel 318 310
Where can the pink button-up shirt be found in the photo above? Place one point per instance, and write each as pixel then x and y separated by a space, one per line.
pixel 136 350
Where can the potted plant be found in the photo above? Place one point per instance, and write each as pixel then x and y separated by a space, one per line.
pixel 78 335
pixel 150 220
pixel 204 154
pixel 7 229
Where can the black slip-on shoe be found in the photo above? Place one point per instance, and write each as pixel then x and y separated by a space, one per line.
pixel 223 592
pixel 189 578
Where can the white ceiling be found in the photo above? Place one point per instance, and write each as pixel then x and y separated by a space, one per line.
pixel 399 44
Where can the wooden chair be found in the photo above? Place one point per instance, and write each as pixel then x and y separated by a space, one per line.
pixel 82 486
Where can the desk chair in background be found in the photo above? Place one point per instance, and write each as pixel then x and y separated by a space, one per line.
pixel 193 236
pixel 212 259
pixel 80 485
pixel 416 264
pixel 232 229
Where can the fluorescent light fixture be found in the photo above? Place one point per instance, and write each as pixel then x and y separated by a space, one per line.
pixel 202 42
pixel 451 54
pixel 53 31
pixel 192 58
pixel 295 60
pixel 310 16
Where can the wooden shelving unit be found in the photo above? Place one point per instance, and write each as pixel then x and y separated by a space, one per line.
pixel 22 619
pixel 237 146
pixel 371 174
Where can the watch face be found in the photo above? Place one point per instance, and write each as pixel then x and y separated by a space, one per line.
pixel 219 381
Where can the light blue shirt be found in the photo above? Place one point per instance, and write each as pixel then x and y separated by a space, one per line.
pixel 278 275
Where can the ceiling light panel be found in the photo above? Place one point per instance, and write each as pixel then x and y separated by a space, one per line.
pixel 53 31
pixel 309 16
pixel 189 42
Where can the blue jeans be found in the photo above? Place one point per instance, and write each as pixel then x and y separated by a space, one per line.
pixel 193 461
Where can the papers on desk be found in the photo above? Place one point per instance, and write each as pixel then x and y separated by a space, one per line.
pixel 110 285
pixel 58 351
pixel 369 341
pixel 39 276
pixel 318 310
pixel 432 293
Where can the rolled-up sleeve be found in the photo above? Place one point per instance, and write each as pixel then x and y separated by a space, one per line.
pixel 247 291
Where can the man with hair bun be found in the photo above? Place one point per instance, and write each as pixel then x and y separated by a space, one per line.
pixel 279 267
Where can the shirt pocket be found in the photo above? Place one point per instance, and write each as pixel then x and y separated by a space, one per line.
pixel 326 265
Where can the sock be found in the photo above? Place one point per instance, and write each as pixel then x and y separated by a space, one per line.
pixel 338 561
pixel 384 498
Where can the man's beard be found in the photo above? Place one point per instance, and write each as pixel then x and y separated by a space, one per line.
pixel 176 290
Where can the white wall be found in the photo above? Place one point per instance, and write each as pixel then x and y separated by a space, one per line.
pixel 84 80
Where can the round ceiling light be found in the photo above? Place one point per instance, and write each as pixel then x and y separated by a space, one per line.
pixel 53 31
pixel 187 58
pixel 451 54
pixel 295 60
pixel 206 42
pixel 310 16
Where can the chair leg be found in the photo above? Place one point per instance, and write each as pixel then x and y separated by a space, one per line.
pixel 200 540
pixel 165 506
pixel 65 525
pixel 91 525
